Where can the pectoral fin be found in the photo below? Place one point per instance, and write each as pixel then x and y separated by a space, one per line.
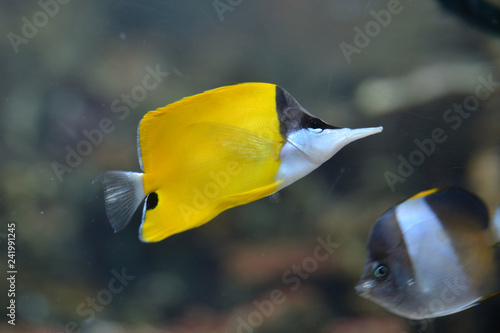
pixel 242 142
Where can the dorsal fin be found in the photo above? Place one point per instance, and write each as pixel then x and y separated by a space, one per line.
pixel 250 106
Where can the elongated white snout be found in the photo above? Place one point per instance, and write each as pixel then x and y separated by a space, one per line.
pixel 359 133
pixel 306 149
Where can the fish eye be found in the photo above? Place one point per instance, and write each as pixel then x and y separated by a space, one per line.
pixel 315 125
pixel 381 272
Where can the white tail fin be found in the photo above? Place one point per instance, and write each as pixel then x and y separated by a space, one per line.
pixel 123 193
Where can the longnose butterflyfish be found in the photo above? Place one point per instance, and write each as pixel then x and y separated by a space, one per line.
pixel 433 255
pixel 222 148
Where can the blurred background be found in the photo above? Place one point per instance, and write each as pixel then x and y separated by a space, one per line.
pixel 73 69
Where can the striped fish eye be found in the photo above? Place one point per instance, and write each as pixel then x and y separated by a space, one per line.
pixel 381 272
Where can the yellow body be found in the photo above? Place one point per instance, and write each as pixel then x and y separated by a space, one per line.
pixel 208 153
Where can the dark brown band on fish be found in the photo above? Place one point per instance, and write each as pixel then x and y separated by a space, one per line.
pixel 465 219
pixel 293 117
pixel 458 208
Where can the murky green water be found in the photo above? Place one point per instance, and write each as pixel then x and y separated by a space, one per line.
pixel 77 77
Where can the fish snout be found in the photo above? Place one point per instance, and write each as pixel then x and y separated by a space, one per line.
pixel 359 133
pixel 363 288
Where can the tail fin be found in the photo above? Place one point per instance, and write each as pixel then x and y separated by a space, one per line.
pixel 123 193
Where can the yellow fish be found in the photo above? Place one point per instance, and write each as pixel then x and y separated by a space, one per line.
pixel 216 150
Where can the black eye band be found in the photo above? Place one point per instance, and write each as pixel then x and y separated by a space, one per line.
pixel 316 124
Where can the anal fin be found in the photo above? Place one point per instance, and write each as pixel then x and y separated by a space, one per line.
pixel 169 217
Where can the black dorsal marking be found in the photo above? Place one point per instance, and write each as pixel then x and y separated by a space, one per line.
pixel 151 201
pixel 292 116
